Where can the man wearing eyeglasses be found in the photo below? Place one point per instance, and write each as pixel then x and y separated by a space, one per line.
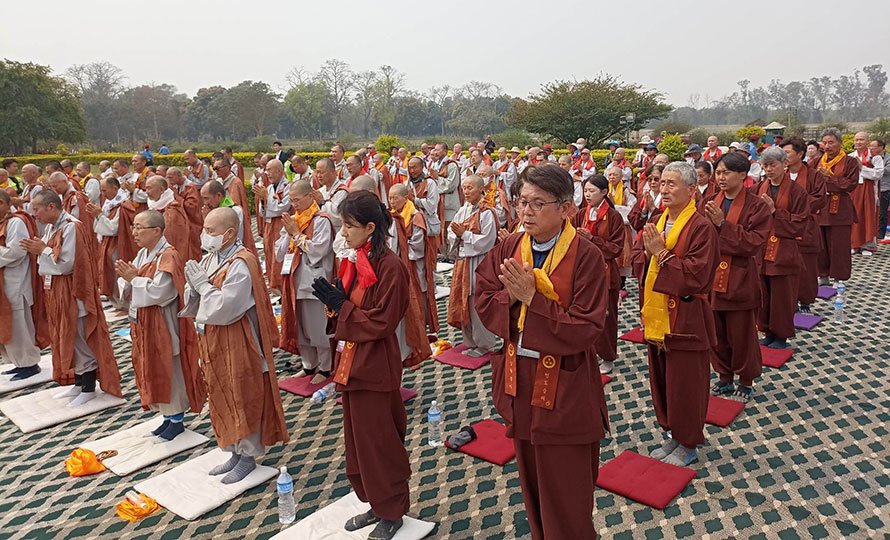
pixel 545 293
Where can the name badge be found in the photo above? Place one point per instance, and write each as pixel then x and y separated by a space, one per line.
pixel 340 345
pixel 47 283
pixel 287 264
pixel 132 313
pixel 268 220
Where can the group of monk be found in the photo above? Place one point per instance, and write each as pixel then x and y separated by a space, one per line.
pixel 541 250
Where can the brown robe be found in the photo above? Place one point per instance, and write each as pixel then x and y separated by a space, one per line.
pixel 123 242
pixel 808 281
pixel 637 219
pixel 679 371
pixel 152 343
pixel 459 299
pixel 837 218
pixel 415 326
pixel 556 450
pixel 190 198
pixel 780 260
pixel 176 226
pixel 609 238
pixel 38 306
pixel 243 400
pixel 374 418
pixel 271 232
pixel 80 200
pixel 61 307
pixel 736 293
pixel 238 195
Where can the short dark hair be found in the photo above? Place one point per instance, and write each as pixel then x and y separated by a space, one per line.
pixel 122 162
pixel 216 188
pixel 553 180
pixel 227 149
pixel 54 164
pixel 9 161
pixel 364 207
pixel 340 146
pixel 277 142
pixel 734 162
pixel 47 197
pixel 113 181
pixel 813 143
pixel 706 165
pixel 5 196
pixel 876 139
pixel 796 143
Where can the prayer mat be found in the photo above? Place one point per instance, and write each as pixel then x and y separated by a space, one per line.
pixel 453 357
pixel 606 378
pixel 407 395
pixel 327 524
pixel 124 333
pixel 113 315
pixel 137 448
pixel 802 321
pixel 442 292
pixel 443 266
pixel 40 410
pixel 826 292
pixel 722 411
pixel 302 386
pixel 634 336
pixel 884 241
pixel 644 479
pixel 45 375
pixel 491 443
pixel 189 492
pixel 775 358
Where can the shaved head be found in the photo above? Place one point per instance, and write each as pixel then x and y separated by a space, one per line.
pixel 399 189
pixel 474 179
pixel 274 165
pixel 150 218
pixel 363 183
pixel 213 188
pixel 59 183
pixel 224 218
pixel 157 181
pixel 301 188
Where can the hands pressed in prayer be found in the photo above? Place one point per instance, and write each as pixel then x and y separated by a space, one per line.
pixel 714 213
pixel 652 239
pixel 129 186
pixel 33 245
pixel 332 296
pixel 434 174
pixel 319 198
pixel 650 202
pixel 458 229
pixel 93 210
pixel 502 234
pixel 290 225
pixel 260 192
pixel 196 276
pixel 584 233
pixel 519 280
pixel 126 270
pixel 769 202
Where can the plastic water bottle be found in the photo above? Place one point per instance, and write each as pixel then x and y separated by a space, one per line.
pixel 434 425
pixel 842 292
pixel 838 309
pixel 323 393
pixel 286 510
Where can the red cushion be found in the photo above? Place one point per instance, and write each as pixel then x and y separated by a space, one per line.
pixel 644 479
pixel 301 385
pixel 775 358
pixel 453 357
pixel 722 411
pixel 606 379
pixel 491 443
pixel 636 335
pixel 407 395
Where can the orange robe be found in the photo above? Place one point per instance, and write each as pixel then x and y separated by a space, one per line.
pixel 415 331
pixel 176 226
pixel 38 307
pixel 191 202
pixel 123 243
pixel 238 195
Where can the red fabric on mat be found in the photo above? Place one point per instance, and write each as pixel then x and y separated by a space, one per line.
pixel 722 411
pixel 491 443
pixel 775 358
pixel 453 357
pixel 644 479
pixel 407 395
pixel 635 335
pixel 606 379
pixel 301 385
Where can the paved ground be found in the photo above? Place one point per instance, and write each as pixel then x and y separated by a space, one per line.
pixel 807 458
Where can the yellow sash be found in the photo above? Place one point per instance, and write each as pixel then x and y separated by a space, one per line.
pixel 304 218
pixel 407 212
pixel 656 320
pixel 542 275
pixel 829 165
pixel 617 192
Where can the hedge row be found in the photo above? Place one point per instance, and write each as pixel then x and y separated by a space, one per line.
pixel 245 158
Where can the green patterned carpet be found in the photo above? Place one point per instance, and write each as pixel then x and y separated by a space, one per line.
pixel 807 458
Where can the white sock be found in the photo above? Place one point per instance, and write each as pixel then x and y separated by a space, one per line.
pixel 82 398
pixel 70 391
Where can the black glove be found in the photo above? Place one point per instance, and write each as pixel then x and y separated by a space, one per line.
pixel 331 296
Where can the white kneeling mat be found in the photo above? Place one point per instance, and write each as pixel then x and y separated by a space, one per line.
pixel 45 375
pixel 327 524
pixel 189 492
pixel 138 448
pixel 112 315
pixel 40 410
pixel 442 292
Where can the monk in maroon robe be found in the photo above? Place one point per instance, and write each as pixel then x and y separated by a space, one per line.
pixel 781 261
pixel 742 222
pixel 675 259
pixel 840 173
pixel 545 293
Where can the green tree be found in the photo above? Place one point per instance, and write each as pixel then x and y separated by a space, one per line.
pixel 673 146
pixel 305 105
pixel 37 106
pixel 880 128
pixel 566 110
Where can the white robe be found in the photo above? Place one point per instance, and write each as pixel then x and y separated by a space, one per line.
pixel 16 263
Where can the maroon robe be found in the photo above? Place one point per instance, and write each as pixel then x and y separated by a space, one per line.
pixel 374 418
pixel 780 259
pixel 736 293
pixel 808 280
pixel 557 450
pixel 837 218
pixel 679 372
pixel 190 198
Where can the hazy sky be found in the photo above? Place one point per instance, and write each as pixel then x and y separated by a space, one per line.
pixel 676 47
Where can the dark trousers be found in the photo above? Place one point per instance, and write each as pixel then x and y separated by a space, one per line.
pixel 607 344
pixel 737 353
pixel 834 258
pixel 777 305
pixel 882 213
pixel 557 488
pixel 679 382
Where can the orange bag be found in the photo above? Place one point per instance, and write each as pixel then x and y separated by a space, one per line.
pixel 83 462
pixel 131 512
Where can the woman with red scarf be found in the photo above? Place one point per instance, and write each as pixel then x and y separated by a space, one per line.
pixel 367 301
pixel 603 226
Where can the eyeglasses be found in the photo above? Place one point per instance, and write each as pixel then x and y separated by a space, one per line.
pixel 135 228
pixel 535 206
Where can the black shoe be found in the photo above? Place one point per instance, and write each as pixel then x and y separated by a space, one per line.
pixel 163 427
pixel 804 308
pixel 25 373
pixel 13 371
pixel 767 339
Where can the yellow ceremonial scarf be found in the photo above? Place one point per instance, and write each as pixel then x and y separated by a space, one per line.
pixel 829 165
pixel 304 218
pixel 656 320
pixel 4 185
pixel 407 212
pixel 491 194
pixel 617 192
pixel 542 275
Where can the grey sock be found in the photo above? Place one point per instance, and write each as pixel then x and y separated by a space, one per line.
pixel 665 449
pixel 227 466
pixel 241 470
pixel 361 521
pixel 681 456
pixel 385 530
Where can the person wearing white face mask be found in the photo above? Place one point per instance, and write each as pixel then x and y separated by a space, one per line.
pixel 227 297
